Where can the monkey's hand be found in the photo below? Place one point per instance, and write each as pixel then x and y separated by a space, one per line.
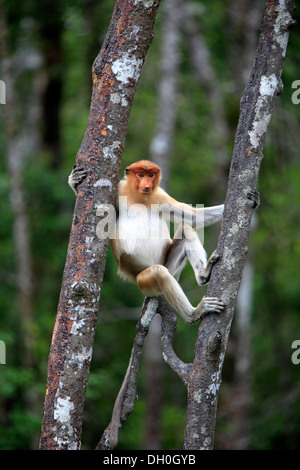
pixel 254 197
pixel 76 177
pixel 208 305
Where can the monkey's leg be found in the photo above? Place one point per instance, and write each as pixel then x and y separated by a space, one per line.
pixel 157 279
pixel 197 256
pixel 186 245
pixel 176 257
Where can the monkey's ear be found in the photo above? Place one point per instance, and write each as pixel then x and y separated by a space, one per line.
pixel 127 171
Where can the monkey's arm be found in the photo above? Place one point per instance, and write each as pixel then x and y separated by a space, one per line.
pixel 184 213
pixel 197 217
pixel 78 174
pixel 200 217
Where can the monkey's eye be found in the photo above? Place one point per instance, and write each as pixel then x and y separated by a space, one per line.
pixel 150 175
pixel 141 175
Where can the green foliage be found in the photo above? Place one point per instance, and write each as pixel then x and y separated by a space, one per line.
pixel 274 245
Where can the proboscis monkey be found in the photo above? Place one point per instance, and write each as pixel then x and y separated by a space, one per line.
pixel 142 246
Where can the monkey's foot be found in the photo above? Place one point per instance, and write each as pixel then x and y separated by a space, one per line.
pixel 208 305
pixel 76 177
pixel 214 257
pixel 204 278
pixel 254 197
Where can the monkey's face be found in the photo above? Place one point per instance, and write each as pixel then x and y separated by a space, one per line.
pixel 143 177
pixel 145 182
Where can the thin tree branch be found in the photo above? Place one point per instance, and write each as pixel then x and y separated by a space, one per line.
pixel 127 395
pixel 168 329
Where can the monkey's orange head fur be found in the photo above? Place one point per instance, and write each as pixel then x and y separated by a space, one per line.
pixel 143 176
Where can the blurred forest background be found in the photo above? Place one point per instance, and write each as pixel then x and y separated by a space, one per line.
pixel 184 116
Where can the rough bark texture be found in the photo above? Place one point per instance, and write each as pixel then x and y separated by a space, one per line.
pixel 242 33
pixel 116 72
pixel 256 109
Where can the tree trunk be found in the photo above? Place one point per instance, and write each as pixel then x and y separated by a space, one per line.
pixel 116 72
pixel 243 27
pixel 256 108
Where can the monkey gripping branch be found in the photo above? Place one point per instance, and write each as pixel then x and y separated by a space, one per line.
pixel 70 352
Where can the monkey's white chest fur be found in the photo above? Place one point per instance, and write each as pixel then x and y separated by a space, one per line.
pixel 143 234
